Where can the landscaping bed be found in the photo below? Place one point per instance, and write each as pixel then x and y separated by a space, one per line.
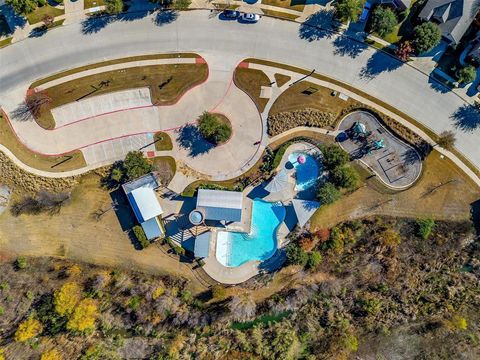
pixel 284 121
pixel 215 128
pixel 165 168
pixel 163 141
pixel 167 84
pixel 70 161
pixel 251 81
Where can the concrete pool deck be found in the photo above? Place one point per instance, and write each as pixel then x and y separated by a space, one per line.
pixel 398 164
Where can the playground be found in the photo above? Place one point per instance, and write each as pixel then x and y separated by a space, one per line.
pixel 363 136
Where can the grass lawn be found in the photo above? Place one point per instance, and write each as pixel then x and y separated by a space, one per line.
pixel 4 28
pixel 281 79
pixel 38 14
pixel 297 5
pixel 167 84
pixel 294 99
pixel 87 4
pixel 451 201
pixel 163 141
pixel 279 14
pixel 68 162
pixel 5 42
pixel 251 81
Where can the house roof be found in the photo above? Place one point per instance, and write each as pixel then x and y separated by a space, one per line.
pixel 152 229
pixel 144 203
pixel 202 245
pixel 453 16
pixel 220 205
pixel 304 209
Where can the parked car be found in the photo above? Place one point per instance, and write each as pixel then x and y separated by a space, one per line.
pixel 250 17
pixel 366 10
pixel 230 14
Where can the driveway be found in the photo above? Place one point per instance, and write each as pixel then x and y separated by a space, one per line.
pixel 224 44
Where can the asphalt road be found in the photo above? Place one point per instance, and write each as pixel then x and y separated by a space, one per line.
pixel 227 43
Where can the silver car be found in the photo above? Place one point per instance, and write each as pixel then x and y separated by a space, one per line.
pixel 250 17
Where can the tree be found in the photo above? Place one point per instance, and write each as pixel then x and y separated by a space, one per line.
pixel 33 106
pixel 314 259
pixel 345 176
pixel 43 202
pixel 426 36
pixel 384 20
pixel 328 194
pixel 140 236
pixel 114 6
pixel 84 316
pixel 23 7
pixel 425 227
pixel 348 10
pixel 447 139
pixel 296 255
pixel 136 165
pixel 242 307
pixel 334 156
pixel 67 298
pixel 52 354
pixel 213 129
pixel 28 329
pixel 467 74
pixel 405 50
pixel 48 20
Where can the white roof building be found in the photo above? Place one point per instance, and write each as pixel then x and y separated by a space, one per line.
pixel 220 205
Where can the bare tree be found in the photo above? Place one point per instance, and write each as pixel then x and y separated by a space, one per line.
pixel 242 307
pixel 34 104
pixel 48 20
pixel 44 202
pixel 447 139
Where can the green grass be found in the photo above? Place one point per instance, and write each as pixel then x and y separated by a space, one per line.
pixel 37 15
pixel 5 42
pixel 163 141
pixel 4 28
pixel 265 319
pixel 87 4
pixel 166 82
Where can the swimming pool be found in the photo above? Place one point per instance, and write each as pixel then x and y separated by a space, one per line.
pixel 306 174
pixel 236 248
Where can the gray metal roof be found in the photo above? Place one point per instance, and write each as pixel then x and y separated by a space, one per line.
pixel 149 180
pixel 454 16
pixel 278 183
pixel 152 229
pixel 202 245
pixel 220 205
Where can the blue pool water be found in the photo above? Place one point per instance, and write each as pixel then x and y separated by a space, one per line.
pixel 236 248
pixel 306 174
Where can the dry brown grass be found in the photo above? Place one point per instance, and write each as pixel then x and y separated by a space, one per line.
pixel 451 201
pixel 70 161
pixel 281 79
pixel 297 5
pixel 167 83
pixel 251 81
pixel 163 141
pixel 76 234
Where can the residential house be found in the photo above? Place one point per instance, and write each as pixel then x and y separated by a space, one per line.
pixel 453 16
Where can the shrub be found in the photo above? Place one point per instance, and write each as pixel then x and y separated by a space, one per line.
pixel 447 139
pixel 341 236
pixel 467 74
pixel 384 20
pixel 404 50
pixel 345 176
pixel 334 156
pixel 348 10
pixel 140 236
pixel 67 298
pixel 136 165
pixel 213 129
pixel 425 227
pixel 28 329
pixel 52 354
pixel 296 255
pixel 159 291
pixel 322 234
pixel 134 302
pixel 390 238
pixel 84 316
pixel 21 263
pixel 219 292
pixel 328 194
pixel 370 304
pixel 314 259
pixel 426 36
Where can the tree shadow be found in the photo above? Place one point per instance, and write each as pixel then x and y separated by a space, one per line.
pixel 467 117
pixel 22 113
pixel 93 24
pixel 475 211
pixel 189 138
pixel 14 20
pixel 437 85
pixel 410 157
pixel 38 32
pixel 379 63
pixel 317 26
pixel 345 46
pixel 164 17
pixel 123 211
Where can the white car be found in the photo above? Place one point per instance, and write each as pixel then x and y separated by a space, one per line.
pixel 249 17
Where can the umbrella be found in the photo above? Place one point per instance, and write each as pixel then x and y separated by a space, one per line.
pixel 278 183
pixel 301 159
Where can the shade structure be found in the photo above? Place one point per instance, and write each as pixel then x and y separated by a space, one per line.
pixel 359 128
pixel 304 209
pixel 278 183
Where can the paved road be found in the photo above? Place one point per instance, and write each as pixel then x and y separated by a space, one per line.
pixel 225 44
